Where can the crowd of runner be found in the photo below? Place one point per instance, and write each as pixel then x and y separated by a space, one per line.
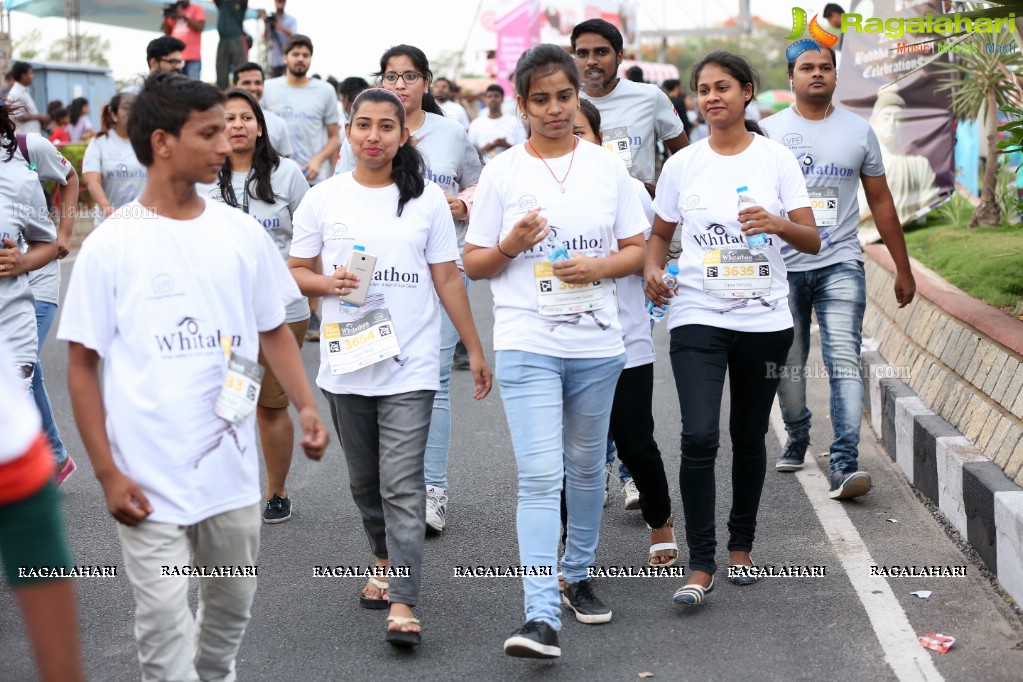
pixel 367 220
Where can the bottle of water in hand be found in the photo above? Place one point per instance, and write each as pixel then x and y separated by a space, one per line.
pixel 670 279
pixel 555 251
pixel 755 242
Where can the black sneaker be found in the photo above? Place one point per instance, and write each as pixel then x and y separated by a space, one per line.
pixel 846 485
pixel 588 608
pixel 535 639
pixel 461 360
pixel 278 509
pixel 792 457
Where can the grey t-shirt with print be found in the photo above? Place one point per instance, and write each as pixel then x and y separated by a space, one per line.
pixel 23 219
pixel 50 164
pixel 307 110
pixel 841 147
pixel 637 115
pixel 121 173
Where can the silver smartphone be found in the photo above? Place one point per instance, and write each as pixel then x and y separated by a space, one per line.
pixel 362 264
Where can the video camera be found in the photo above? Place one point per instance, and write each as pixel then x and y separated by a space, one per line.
pixel 271 20
pixel 171 9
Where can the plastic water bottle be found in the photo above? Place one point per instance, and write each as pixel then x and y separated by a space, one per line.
pixel 556 251
pixel 755 242
pixel 670 279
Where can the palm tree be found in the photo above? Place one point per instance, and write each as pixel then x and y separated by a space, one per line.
pixel 982 82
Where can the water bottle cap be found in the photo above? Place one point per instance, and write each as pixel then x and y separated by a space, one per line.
pixel 358 248
pixel 742 189
pixel 673 269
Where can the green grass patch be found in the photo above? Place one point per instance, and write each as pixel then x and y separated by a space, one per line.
pixel 986 263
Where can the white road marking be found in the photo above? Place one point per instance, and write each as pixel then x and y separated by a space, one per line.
pixel 902 650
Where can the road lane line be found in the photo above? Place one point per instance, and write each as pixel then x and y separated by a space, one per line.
pixel 902 650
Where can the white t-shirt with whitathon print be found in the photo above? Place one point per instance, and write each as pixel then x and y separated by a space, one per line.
pixel 339 214
pixel 154 297
pixel 698 187
pixel 121 173
pixel 289 187
pixel 598 207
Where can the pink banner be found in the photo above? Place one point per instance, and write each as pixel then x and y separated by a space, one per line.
pixel 518 29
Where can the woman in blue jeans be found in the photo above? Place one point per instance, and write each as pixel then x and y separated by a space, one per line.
pixel 555 221
pixel 730 313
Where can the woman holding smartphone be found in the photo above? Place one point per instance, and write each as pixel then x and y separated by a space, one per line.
pixel 379 360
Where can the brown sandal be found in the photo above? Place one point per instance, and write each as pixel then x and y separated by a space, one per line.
pixel 663 549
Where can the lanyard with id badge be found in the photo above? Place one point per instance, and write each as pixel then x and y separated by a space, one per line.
pixel 367 339
pixel 238 396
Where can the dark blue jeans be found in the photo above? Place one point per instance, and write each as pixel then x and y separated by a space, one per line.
pixel 838 294
pixel 700 357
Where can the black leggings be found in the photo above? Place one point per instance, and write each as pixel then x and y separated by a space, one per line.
pixel 700 355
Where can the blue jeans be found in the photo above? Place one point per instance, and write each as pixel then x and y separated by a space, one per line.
pixel 558 413
pixel 838 294
pixel 45 312
pixel 192 68
pixel 624 475
pixel 438 443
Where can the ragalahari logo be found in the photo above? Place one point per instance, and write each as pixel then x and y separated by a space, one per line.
pixel 819 35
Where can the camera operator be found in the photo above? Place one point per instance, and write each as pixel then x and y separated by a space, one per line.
pixel 278 28
pixel 186 21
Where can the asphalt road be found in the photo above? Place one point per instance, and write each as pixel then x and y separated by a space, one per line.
pixel 843 626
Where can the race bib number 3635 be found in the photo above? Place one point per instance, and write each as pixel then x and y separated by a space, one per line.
pixel 736 273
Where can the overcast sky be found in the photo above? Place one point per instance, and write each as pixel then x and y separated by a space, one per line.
pixel 346 49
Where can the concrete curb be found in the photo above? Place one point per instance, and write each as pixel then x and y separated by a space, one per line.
pixel 972 491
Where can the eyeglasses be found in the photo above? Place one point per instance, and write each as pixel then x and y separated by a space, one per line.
pixel 407 76
pixel 173 62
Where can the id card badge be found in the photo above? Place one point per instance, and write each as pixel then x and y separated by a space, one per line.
pixel 360 343
pixel 238 395
pixel 824 202
pixel 555 297
pixel 617 141
pixel 736 273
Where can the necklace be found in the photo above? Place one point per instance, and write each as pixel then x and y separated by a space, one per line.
pixel 561 182
pixel 808 159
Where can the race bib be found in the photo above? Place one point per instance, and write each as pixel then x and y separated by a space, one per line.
pixel 824 201
pixel 360 343
pixel 238 395
pixel 736 273
pixel 617 141
pixel 555 297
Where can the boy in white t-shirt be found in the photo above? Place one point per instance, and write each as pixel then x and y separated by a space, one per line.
pixel 164 315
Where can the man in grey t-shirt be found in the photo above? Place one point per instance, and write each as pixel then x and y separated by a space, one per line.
pixel 309 107
pixel 633 116
pixel 836 150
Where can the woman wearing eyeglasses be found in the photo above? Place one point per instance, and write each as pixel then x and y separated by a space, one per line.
pixel 454 164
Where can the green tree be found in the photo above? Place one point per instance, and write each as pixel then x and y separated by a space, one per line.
pixel 979 83
pixel 94 48
pixel 27 46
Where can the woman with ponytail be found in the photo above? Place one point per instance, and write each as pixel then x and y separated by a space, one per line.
pixel 113 174
pixel 257 180
pixel 739 197
pixel 452 163
pixel 379 359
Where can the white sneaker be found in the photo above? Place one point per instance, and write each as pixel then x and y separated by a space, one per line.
pixel 607 482
pixel 631 493
pixel 436 506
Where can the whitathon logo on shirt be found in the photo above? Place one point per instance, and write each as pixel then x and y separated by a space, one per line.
pixel 122 172
pixel 717 235
pixel 442 180
pixel 577 243
pixel 190 339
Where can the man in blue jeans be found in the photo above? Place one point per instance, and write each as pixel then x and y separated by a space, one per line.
pixel 835 148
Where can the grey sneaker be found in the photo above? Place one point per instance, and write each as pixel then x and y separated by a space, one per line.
pixel 846 485
pixel 436 508
pixel 587 607
pixel 792 457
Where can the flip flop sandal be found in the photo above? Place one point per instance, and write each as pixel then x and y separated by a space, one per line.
pixel 664 549
pixel 378 603
pixel 401 637
pixel 692 595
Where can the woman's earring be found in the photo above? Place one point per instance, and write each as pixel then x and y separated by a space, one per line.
pixel 522 116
